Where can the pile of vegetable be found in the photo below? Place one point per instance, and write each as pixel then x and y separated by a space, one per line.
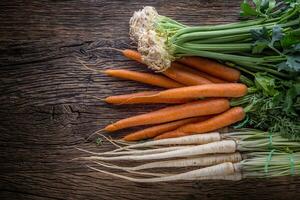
pixel 235 76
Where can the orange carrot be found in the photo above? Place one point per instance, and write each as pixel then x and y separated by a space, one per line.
pixel 131 99
pixel 198 73
pixel 157 130
pixel 175 72
pixel 132 54
pixel 200 91
pixel 179 73
pixel 227 118
pixel 151 79
pixel 212 67
pixel 172 113
pixel 209 77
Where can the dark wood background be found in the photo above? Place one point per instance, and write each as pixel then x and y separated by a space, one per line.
pixel 45 110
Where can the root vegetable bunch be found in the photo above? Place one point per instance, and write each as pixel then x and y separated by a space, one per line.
pixel 230 156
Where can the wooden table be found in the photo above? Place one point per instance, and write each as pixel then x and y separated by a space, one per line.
pixel 46 110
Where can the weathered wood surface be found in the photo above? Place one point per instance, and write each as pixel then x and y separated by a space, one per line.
pixel 46 112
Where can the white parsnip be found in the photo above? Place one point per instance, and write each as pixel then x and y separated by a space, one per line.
pixel 202 161
pixel 225 146
pixel 112 166
pixel 230 177
pixel 216 170
pixel 148 173
pixel 137 152
pixel 186 140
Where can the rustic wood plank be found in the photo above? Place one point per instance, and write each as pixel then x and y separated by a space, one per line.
pixel 46 112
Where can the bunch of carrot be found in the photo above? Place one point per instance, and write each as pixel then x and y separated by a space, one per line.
pixel 199 88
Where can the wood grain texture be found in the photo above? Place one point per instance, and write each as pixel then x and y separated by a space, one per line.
pixel 46 110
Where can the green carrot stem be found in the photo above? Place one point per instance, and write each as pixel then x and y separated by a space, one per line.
pixel 270 65
pixel 239 68
pixel 263 69
pixel 246 80
pixel 241 101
